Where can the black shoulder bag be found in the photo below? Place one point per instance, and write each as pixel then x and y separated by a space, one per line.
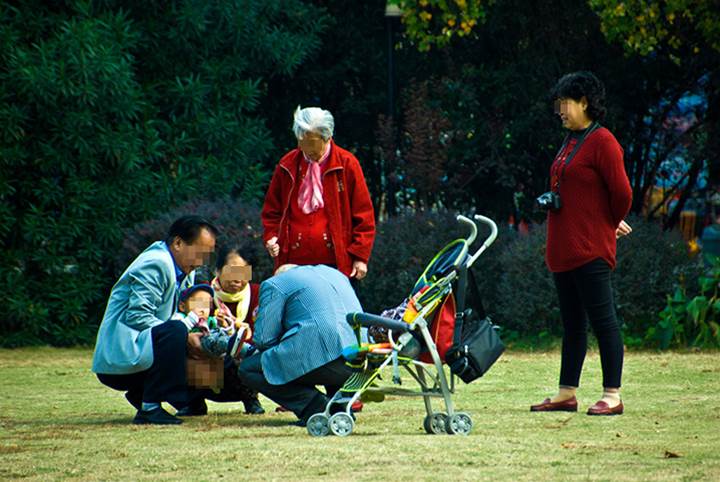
pixel 476 343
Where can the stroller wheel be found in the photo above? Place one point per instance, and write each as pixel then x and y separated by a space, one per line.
pixel 435 423
pixel 318 425
pixel 459 424
pixel 341 424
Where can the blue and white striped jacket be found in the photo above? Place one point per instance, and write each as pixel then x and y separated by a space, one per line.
pixel 301 324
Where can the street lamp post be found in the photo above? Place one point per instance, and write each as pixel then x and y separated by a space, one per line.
pixel 389 181
pixel 392 14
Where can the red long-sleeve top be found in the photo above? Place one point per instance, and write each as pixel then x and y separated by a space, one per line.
pixel 596 196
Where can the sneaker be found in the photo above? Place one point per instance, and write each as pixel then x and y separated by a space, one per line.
pixel 156 416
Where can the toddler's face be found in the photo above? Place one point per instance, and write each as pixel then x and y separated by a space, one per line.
pixel 200 303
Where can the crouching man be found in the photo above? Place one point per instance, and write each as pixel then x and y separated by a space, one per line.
pixel 137 350
pixel 300 332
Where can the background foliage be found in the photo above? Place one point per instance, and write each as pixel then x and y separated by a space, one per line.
pixel 115 112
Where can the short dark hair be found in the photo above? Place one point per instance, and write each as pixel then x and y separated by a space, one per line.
pixel 577 85
pixel 188 228
pixel 245 250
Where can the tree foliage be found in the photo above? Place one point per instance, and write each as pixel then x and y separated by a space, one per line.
pixel 431 23
pixel 682 28
pixel 111 111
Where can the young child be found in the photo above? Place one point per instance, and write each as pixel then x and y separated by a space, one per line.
pixel 196 304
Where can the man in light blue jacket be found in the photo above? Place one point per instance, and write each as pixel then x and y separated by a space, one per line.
pixel 137 349
pixel 300 332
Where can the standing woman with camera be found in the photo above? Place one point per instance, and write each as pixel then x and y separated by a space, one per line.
pixel 589 196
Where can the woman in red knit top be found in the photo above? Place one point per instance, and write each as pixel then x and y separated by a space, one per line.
pixel 588 176
pixel 317 209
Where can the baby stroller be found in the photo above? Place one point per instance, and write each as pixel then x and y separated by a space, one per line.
pixel 412 344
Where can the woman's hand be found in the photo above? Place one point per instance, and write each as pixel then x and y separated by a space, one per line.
pixel 194 349
pixel 222 318
pixel 359 270
pixel 623 229
pixel 273 247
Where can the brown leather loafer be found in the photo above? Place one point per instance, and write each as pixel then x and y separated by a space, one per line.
pixel 569 405
pixel 602 408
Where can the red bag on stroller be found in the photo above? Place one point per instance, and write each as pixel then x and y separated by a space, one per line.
pixel 442 329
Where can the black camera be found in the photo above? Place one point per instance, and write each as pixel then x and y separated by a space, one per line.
pixel 549 201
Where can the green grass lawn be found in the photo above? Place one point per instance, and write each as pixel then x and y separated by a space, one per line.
pixel 57 422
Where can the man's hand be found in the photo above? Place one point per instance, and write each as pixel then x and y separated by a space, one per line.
pixel 272 246
pixel 623 229
pixel 194 349
pixel 359 270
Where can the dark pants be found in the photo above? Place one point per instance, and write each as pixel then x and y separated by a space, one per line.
pixel 300 395
pixel 165 380
pixel 586 293
pixel 234 390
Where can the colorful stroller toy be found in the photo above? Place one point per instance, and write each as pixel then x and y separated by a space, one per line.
pixel 417 340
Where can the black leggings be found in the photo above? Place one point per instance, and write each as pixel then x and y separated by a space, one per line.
pixel 585 293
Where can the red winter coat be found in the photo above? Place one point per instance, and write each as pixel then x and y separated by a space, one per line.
pixel 347 204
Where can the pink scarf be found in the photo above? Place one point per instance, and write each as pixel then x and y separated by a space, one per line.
pixel 310 195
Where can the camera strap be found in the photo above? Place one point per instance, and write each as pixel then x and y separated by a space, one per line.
pixel 560 174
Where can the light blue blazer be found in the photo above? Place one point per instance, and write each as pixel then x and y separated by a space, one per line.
pixel 145 296
pixel 301 324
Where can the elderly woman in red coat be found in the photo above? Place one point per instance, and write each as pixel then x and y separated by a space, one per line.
pixel 317 209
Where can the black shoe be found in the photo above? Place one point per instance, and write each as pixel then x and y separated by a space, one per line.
pixel 134 399
pixel 156 416
pixel 195 409
pixel 253 407
pixel 299 423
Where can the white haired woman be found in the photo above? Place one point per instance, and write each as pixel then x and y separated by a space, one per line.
pixel 317 209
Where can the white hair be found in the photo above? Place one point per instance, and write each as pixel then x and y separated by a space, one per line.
pixel 313 119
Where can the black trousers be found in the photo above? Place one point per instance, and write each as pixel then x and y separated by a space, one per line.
pixel 585 293
pixel 234 390
pixel 299 395
pixel 166 379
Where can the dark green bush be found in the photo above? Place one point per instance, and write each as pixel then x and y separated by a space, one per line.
pixel 650 263
pixel 404 245
pixel 515 285
pixel 691 321
pixel 524 301
pixel 238 221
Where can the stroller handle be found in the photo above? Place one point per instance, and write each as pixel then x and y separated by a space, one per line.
pixel 488 241
pixel 470 224
pixel 367 319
